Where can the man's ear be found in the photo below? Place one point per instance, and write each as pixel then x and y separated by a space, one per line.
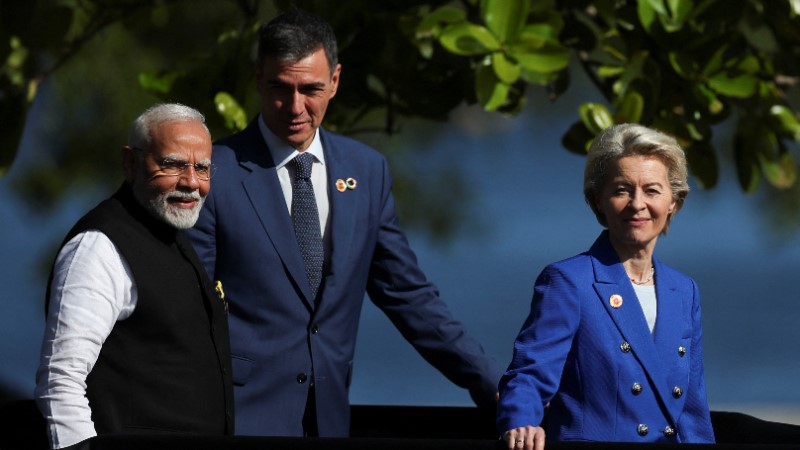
pixel 129 160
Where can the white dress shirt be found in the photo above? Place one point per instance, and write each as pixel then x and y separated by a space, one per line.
pixel 92 288
pixel 647 298
pixel 282 155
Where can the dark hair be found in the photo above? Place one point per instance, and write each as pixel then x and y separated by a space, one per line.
pixel 634 140
pixel 294 35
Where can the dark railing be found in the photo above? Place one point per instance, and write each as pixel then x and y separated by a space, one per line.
pixel 390 427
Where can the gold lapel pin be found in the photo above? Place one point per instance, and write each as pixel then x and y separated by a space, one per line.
pixel 340 185
pixel 221 294
pixel 615 301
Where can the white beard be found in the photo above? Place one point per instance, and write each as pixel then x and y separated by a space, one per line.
pixel 180 218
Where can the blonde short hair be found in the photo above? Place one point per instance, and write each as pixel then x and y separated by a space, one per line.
pixel 634 140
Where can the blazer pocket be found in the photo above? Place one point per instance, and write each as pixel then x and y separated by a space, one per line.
pixel 242 367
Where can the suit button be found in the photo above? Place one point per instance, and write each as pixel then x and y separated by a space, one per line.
pixel 625 347
pixel 642 429
pixel 314 329
pixel 669 431
pixel 301 378
pixel 636 388
pixel 681 350
pixel 677 392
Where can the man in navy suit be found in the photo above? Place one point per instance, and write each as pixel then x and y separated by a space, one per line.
pixel 294 315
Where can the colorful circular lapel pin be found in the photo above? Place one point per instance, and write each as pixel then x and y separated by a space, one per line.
pixel 351 183
pixel 340 185
pixel 615 301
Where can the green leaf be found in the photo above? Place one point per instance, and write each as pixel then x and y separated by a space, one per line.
pixel 610 71
pixel 468 39
pixel 750 145
pixel 505 18
pixel 506 71
pixel 538 78
pixel 531 39
pixel 781 173
pixel 758 34
pixel 577 139
pixel 492 93
pixel 157 81
pixel 740 86
pixel 430 25
pixel 715 62
pixel 630 108
pixel 647 14
pixel 551 57
pixel 682 64
pixel 595 117
pixel 748 175
pixel 703 163
pixel 786 121
pixel 710 99
pixel 230 110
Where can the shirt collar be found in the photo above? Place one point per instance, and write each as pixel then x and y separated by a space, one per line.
pixel 282 152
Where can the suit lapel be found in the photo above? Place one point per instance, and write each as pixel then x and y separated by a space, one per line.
pixel 611 279
pixel 265 195
pixel 343 207
pixel 670 311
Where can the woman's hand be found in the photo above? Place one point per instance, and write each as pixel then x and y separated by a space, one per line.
pixel 525 438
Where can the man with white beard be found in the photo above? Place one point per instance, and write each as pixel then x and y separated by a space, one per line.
pixel 136 338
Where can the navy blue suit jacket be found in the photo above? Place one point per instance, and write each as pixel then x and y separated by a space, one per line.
pixel 583 355
pixel 281 339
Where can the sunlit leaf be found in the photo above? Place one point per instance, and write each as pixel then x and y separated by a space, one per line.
pixel 446 14
pixel 506 71
pixel 610 71
pixel 786 120
pixel 781 173
pixel 595 117
pixel 548 30
pixel 647 13
pixel 549 58
pixel 505 18
pixel 492 93
pixel 538 78
pixel 630 108
pixel 712 102
pixel 468 39
pixel 230 110
pixel 740 86
pixel 158 81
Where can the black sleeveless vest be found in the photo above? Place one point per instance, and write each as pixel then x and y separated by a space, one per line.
pixel 167 367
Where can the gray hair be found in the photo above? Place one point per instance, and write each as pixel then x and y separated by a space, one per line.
pixel 634 140
pixel 140 134
pixel 294 35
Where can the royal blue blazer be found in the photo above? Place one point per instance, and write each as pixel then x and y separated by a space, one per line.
pixel 282 340
pixel 594 360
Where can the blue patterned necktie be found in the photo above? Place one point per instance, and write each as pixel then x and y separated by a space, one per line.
pixel 306 220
